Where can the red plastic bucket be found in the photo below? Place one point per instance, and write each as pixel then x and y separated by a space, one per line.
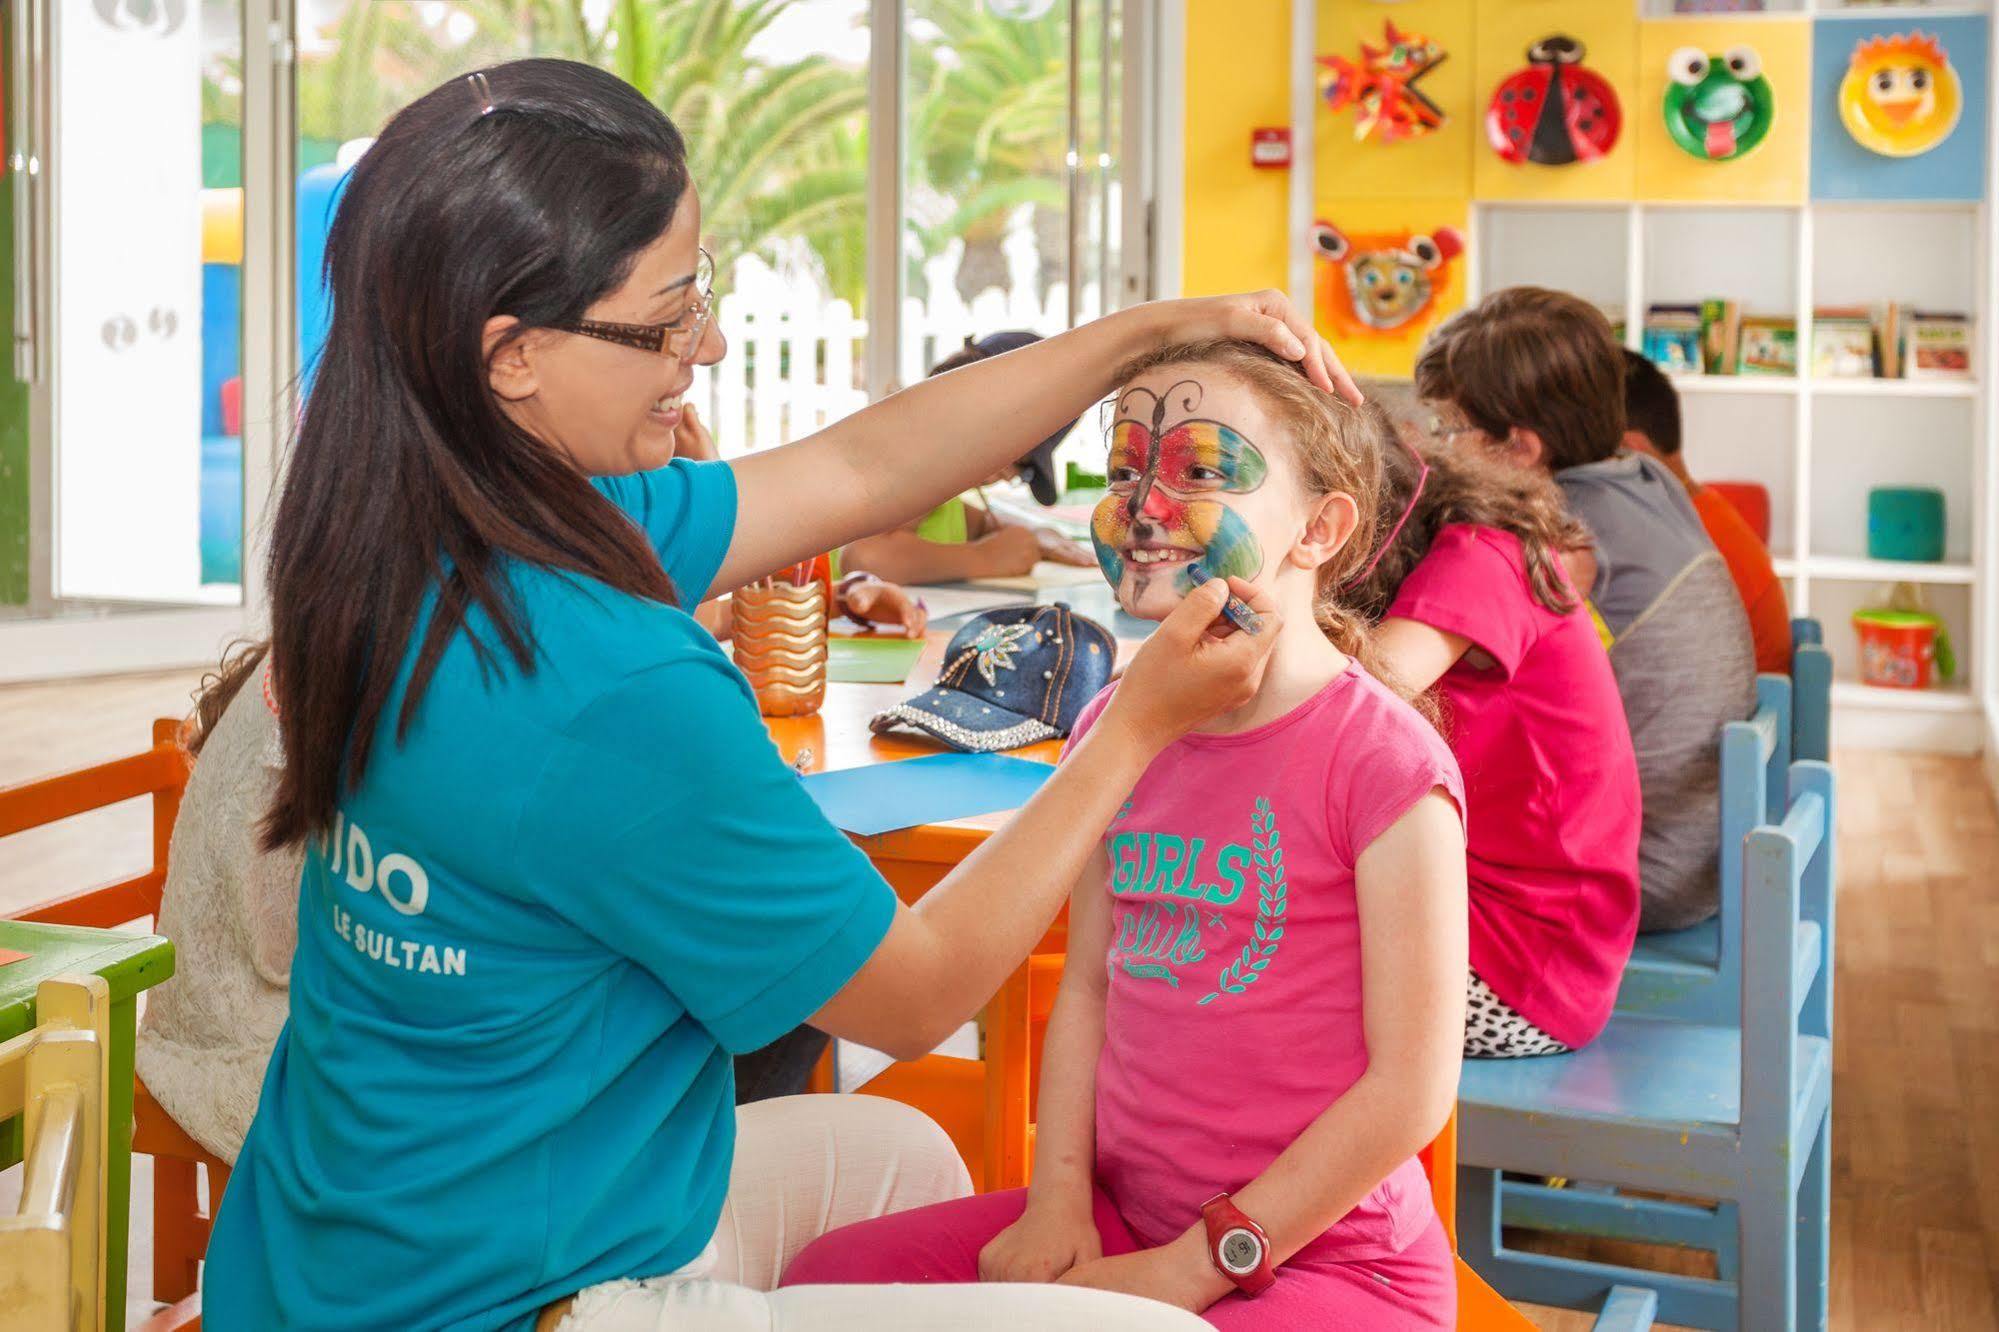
pixel 1898 649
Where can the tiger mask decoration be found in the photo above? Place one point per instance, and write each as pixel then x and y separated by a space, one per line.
pixel 1382 282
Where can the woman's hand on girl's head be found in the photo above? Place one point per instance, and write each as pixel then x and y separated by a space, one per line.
pixel 1194 667
pixel 1047 1241
pixel 1266 318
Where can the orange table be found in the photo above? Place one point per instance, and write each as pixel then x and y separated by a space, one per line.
pixel 912 859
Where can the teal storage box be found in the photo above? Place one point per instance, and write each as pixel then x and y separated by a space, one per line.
pixel 1905 523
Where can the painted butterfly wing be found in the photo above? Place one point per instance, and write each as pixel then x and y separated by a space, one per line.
pixel 1209 446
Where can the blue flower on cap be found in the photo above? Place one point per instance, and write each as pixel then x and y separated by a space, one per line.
pixel 995 645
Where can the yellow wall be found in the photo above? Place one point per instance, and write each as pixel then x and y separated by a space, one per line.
pixel 1234 219
pixel 1238 78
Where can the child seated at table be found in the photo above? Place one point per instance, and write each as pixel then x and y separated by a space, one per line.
pixel 958 541
pixel 1474 601
pixel 1534 378
pixel 1289 882
pixel 1652 427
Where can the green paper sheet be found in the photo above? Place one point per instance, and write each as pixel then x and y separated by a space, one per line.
pixel 871 660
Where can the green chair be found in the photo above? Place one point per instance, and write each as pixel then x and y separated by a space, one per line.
pixel 128 964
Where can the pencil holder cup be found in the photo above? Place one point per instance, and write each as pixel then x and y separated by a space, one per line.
pixel 780 645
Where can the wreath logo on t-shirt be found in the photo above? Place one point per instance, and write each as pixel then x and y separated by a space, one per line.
pixel 1268 848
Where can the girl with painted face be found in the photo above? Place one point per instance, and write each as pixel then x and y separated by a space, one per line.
pixel 1265 997
pixel 554 872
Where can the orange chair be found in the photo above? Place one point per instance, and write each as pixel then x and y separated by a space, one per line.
pixel 180 1226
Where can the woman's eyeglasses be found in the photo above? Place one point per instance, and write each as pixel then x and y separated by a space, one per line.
pixel 678 339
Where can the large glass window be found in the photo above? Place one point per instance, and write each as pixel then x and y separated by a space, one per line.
pixel 122 439
pixel 772 100
pixel 144 302
pixel 1011 206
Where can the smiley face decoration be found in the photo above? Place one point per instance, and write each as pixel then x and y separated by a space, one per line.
pixel 1900 96
pixel 1554 112
pixel 1718 108
pixel 1381 284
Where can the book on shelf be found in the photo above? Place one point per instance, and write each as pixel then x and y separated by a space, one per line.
pixel 1721 334
pixel 1888 340
pixel 1937 345
pixel 1769 346
pixel 1673 338
pixel 1842 342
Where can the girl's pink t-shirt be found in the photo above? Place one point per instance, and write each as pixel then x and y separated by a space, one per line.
pixel 1535 719
pixel 1234 1013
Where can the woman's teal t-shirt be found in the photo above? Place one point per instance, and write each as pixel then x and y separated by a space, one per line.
pixel 537 932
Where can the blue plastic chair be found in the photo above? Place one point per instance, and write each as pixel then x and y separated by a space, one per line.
pixel 1811 692
pixel 1739 1114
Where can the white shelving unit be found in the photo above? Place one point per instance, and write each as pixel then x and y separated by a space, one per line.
pixel 1817 446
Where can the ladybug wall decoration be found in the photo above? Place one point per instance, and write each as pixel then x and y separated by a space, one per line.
pixel 1381 283
pixel 1555 112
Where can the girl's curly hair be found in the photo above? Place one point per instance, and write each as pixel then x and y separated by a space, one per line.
pixel 1465 486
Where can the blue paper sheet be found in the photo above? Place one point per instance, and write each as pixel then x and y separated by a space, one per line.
pixel 909 792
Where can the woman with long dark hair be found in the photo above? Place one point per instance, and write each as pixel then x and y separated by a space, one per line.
pixel 555 871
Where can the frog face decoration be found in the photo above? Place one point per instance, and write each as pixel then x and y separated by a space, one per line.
pixel 1718 108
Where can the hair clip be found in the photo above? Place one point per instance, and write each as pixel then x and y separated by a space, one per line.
pixel 482 91
pixel 1422 476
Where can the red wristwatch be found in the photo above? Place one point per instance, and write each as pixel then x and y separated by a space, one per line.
pixel 1237 1246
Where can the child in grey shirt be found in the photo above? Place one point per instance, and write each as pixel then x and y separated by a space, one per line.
pixel 1685 664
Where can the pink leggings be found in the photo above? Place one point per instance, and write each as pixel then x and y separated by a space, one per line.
pixel 1411 1290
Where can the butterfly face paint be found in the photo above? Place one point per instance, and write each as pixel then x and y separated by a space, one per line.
pixel 1163 515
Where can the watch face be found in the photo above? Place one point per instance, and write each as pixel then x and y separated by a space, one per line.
pixel 1241 1252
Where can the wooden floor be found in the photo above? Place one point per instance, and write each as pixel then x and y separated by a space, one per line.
pixel 1916 1100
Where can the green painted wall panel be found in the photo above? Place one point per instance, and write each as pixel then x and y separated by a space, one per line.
pixel 13 428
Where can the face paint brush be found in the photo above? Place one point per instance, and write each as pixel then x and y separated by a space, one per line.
pixel 1237 611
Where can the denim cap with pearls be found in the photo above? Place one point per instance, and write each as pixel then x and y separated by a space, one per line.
pixel 1011 677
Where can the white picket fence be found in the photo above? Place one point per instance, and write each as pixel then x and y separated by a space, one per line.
pixel 795 356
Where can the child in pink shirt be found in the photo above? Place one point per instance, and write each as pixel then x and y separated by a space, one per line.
pixel 1477 603
pixel 1264 999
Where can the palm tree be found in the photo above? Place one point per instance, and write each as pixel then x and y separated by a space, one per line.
pixel 991 131
pixel 779 150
